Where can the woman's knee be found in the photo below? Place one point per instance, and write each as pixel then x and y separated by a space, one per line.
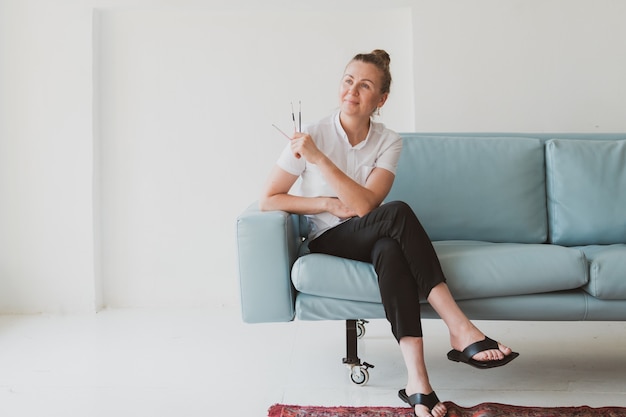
pixel 402 217
pixel 400 209
pixel 399 205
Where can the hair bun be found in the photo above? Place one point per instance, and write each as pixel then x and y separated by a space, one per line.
pixel 382 55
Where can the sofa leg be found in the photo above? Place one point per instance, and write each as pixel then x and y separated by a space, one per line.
pixel 352 357
pixel 358 371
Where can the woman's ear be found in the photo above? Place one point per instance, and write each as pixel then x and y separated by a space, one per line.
pixel 383 99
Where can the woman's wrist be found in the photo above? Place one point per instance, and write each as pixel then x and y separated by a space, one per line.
pixel 325 204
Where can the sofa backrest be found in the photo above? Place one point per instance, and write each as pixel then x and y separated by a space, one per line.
pixel 586 188
pixel 475 188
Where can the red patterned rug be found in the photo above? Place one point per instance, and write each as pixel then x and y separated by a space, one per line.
pixel 480 410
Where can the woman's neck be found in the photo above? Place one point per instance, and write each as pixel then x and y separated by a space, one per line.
pixel 356 128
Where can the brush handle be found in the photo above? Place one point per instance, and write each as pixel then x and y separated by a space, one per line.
pixel 285 135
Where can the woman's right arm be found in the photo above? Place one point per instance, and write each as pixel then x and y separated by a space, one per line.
pixel 275 196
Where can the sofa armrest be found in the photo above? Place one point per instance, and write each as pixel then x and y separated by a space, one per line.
pixel 267 245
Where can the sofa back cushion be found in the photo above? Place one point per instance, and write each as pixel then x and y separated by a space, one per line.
pixel 474 188
pixel 586 186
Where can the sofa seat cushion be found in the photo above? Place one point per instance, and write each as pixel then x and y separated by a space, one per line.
pixel 607 271
pixel 481 269
pixel 586 180
pixel 474 188
pixel 473 270
pixel 333 277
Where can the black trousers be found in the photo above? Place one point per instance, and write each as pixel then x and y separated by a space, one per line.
pixel 393 240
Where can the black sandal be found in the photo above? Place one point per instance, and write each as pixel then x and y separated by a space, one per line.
pixel 486 344
pixel 428 400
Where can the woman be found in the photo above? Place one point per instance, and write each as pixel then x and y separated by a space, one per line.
pixel 347 165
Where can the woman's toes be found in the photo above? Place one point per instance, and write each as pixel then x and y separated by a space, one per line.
pixel 422 411
pixel 440 410
pixel 489 355
pixel 504 349
pixel 494 354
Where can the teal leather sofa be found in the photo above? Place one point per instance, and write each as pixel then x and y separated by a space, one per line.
pixel 526 226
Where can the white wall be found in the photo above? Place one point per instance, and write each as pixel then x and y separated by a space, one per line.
pixel 123 130
pixel 46 222
pixel 187 98
pixel 550 65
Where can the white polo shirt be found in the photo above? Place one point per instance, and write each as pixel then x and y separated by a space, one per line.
pixel 380 149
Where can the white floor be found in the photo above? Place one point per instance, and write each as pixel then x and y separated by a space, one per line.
pixel 206 362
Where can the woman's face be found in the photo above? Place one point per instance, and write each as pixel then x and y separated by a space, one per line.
pixel 359 90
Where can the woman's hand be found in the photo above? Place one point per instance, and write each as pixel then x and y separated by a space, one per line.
pixel 302 145
pixel 339 209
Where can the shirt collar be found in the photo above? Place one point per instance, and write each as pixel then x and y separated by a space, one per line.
pixel 344 135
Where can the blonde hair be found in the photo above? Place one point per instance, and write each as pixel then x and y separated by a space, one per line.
pixel 381 60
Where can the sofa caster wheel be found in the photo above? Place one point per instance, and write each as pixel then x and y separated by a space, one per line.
pixel 360 328
pixel 359 373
